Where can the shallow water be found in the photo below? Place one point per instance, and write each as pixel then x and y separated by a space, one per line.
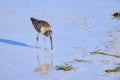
pixel 79 27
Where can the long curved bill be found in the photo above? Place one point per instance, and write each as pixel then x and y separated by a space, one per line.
pixel 51 42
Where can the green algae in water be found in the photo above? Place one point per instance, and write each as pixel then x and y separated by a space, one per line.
pixel 78 60
pixel 98 52
pixel 117 69
pixel 74 61
pixel 64 67
pixel 102 53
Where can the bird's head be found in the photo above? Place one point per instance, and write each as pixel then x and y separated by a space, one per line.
pixel 48 33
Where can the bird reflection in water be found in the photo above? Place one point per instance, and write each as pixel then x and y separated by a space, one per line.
pixel 44 67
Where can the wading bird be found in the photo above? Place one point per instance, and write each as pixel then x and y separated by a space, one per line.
pixel 42 27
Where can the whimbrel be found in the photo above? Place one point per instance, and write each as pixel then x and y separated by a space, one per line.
pixel 42 27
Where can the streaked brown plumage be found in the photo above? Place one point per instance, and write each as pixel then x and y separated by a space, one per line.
pixel 44 28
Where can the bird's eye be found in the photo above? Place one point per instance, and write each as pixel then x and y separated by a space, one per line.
pixel 50 31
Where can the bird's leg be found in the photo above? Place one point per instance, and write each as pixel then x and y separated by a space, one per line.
pixel 51 42
pixel 51 51
pixel 37 39
pixel 45 42
pixel 38 49
pixel 45 49
pixel 38 59
pixel 52 57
